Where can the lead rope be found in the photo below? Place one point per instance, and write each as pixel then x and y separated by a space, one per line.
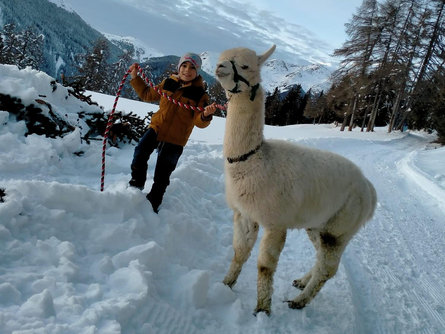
pixel 110 116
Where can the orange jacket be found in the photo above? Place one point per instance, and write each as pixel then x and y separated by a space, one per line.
pixel 172 123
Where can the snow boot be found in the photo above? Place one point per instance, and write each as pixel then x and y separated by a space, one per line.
pixel 155 196
pixel 155 203
pixel 136 184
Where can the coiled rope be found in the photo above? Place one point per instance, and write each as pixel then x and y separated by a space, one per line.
pixel 111 115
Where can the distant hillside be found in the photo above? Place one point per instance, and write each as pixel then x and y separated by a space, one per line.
pixel 66 34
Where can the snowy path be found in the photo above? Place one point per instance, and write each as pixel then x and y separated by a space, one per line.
pixel 396 261
pixel 75 260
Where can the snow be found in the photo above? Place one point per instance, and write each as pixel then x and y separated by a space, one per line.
pixel 77 260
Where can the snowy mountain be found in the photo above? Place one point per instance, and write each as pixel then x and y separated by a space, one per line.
pixel 278 73
pixel 152 34
pixel 178 26
pixel 66 35
pixel 209 27
pixel 281 74
pixel 78 260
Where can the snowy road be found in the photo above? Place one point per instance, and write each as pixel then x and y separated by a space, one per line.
pixel 392 275
pixel 398 260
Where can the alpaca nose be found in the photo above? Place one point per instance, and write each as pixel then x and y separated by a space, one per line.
pixel 222 70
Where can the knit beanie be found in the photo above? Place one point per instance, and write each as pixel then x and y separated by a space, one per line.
pixel 192 58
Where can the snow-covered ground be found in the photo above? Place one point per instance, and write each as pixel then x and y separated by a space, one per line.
pixel 78 260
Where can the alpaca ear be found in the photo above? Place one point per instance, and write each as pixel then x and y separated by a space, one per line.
pixel 263 57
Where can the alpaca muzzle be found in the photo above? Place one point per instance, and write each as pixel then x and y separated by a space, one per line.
pixel 236 77
pixel 222 72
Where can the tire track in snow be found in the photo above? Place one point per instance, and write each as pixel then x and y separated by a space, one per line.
pixel 408 304
pixel 407 166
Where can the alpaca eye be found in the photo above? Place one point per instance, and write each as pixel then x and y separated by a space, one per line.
pixel 244 67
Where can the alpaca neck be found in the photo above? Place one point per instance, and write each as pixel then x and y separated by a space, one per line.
pixel 244 124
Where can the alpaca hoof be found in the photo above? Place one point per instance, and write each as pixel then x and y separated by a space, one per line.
pixel 298 283
pixel 258 310
pixel 229 283
pixel 296 305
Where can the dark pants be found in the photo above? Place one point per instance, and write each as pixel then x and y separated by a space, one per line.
pixel 168 156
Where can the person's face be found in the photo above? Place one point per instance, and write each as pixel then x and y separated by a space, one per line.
pixel 187 72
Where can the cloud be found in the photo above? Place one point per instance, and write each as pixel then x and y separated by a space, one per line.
pixel 213 25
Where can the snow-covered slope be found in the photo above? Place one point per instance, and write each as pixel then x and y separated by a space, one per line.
pixel 179 26
pixel 153 26
pixel 77 260
pixel 279 73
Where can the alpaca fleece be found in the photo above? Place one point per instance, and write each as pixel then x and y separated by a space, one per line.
pixel 279 186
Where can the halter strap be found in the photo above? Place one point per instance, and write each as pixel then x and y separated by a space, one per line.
pixel 237 78
pixel 244 157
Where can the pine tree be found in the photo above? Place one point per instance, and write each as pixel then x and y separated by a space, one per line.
pixel 404 55
pixel 94 70
pixel 352 78
pixel 2 61
pixel 364 34
pixel 218 95
pixel 393 50
pixel 419 107
pixel 117 71
pixel 10 44
pixel 292 107
pixel 315 107
pixel 272 113
pixel 30 51
pixel 391 17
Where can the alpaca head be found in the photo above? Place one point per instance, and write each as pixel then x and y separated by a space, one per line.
pixel 238 70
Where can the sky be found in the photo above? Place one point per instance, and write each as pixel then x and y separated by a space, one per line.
pixel 305 32
pixel 325 18
pixel 77 260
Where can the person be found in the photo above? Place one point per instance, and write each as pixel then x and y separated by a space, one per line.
pixel 171 126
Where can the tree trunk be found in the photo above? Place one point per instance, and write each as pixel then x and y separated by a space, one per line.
pixel 395 111
pixel 373 116
pixel 345 120
pixel 351 123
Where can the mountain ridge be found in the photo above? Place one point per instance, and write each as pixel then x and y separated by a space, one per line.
pixel 76 36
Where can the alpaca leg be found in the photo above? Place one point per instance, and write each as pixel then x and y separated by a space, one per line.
pixel 271 246
pixel 245 233
pixel 301 283
pixel 328 259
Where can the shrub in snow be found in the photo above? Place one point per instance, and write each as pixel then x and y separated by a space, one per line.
pixel 52 110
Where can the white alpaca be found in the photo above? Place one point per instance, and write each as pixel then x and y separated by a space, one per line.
pixel 280 185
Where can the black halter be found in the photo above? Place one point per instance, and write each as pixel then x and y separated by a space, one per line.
pixel 237 78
